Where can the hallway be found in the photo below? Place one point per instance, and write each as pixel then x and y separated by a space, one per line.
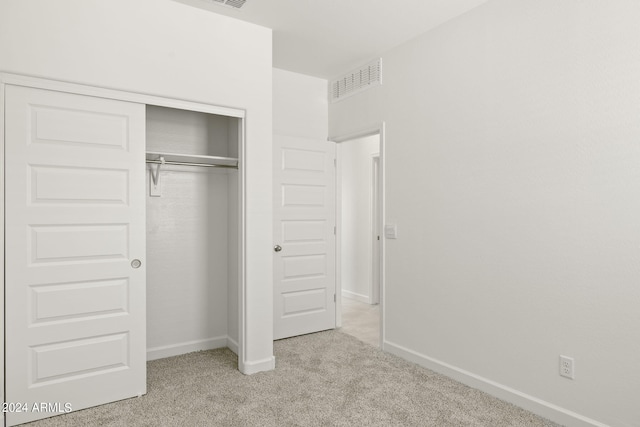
pixel 361 320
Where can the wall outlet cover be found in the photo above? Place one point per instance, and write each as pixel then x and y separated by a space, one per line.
pixel 567 368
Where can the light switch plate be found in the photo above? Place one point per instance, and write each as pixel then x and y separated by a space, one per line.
pixel 391 231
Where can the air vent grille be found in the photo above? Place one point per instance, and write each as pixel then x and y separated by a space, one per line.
pixel 233 3
pixel 356 81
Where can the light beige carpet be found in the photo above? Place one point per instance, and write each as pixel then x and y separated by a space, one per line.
pixel 323 379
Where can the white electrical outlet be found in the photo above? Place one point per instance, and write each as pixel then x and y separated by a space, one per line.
pixel 567 368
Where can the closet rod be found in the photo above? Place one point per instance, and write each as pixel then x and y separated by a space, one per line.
pixel 205 165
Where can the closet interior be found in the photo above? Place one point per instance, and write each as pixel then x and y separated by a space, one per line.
pixel 193 230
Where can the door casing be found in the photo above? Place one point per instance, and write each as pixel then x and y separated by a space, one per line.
pixel 376 232
pixel 380 131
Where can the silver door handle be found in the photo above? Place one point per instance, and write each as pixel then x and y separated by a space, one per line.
pixel 277 248
pixel 136 263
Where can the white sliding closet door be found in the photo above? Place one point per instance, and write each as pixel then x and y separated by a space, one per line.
pixel 75 212
pixel 304 179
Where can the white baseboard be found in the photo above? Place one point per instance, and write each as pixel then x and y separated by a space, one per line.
pixel 233 345
pixel 537 406
pixel 253 367
pixel 358 297
pixel 186 347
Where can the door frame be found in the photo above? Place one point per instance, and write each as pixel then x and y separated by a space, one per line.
pixel 378 129
pixel 140 98
pixel 376 231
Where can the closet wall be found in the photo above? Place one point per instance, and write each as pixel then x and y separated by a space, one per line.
pixel 191 267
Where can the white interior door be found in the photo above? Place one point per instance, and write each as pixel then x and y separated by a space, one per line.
pixel 304 229
pixel 75 301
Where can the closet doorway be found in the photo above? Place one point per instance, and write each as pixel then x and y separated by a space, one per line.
pixel 192 224
pixel 103 268
pixel 359 238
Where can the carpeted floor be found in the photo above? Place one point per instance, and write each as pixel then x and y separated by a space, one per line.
pixel 323 379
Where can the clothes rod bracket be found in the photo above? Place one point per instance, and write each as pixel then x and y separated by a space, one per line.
pixel 156 176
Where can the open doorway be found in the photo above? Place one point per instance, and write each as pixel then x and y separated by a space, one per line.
pixel 359 244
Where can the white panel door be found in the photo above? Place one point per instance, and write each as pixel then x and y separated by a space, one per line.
pixel 304 221
pixel 75 212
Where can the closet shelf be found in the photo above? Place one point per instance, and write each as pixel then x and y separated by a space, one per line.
pixel 191 160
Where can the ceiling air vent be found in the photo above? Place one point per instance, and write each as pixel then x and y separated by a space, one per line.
pixel 233 3
pixel 356 81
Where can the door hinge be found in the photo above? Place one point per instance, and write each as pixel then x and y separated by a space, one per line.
pixel 334 297
pixel 334 230
pixel 335 163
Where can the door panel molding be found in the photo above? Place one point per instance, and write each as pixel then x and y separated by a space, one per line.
pixel 55 353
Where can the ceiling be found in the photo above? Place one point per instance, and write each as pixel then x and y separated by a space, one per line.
pixel 326 38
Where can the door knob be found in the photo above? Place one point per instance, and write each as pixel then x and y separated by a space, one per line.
pixel 277 248
pixel 136 263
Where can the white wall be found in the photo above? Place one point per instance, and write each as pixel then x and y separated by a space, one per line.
pixel 356 245
pixel 300 106
pixel 512 171
pixel 168 49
